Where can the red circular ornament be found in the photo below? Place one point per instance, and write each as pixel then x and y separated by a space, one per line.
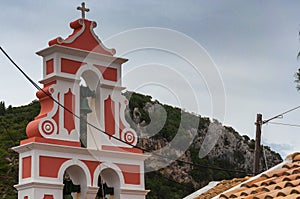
pixel 129 137
pixel 48 127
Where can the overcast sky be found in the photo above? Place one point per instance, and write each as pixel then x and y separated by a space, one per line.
pixel 252 44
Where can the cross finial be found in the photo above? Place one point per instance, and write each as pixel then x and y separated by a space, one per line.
pixel 83 9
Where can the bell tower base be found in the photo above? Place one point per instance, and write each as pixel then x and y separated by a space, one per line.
pixel 42 167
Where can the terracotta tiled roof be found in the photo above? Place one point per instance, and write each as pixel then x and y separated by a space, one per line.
pixel 283 181
pixel 221 187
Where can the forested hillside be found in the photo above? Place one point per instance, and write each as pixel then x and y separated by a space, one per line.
pixel 13 121
pixel 176 180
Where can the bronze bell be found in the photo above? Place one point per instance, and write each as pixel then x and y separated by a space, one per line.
pixel 84 106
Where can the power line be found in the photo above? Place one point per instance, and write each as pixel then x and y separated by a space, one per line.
pixel 8 133
pixel 100 130
pixel 173 181
pixel 280 115
pixel 26 76
pixel 284 124
pixel 57 102
pixel 85 121
pixel 259 123
pixel 214 168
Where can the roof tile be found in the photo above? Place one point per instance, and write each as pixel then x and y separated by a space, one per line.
pixel 252 182
pixel 222 186
pixel 296 157
pixel 283 183
pixel 275 173
pixel 291 165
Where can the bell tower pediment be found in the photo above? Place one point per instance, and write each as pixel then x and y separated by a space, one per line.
pixel 83 38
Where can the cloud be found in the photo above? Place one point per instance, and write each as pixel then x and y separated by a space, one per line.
pixel 283 149
pixel 253 43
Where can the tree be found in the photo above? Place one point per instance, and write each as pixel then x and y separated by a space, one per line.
pixel 2 108
pixel 297 75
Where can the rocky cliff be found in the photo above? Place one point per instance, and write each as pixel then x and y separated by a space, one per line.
pixel 206 149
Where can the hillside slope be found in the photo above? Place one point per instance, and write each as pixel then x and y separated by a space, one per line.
pixel 206 150
pixel 13 121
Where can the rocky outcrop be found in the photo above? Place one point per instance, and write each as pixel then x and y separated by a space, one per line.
pixel 209 144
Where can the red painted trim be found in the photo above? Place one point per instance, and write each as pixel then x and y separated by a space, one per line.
pixel 69 122
pixel 70 66
pixel 121 125
pixel 49 166
pixel 32 129
pixel 57 115
pixel 92 165
pixel 49 66
pixel 47 196
pixel 50 141
pixel 26 167
pixel 131 173
pixel 45 101
pixel 84 41
pixel 121 149
pixel 108 73
pixel 109 111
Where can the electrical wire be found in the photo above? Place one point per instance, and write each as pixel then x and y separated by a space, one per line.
pixel 26 76
pixel 100 130
pixel 268 121
pixel 173 181
pixel 213 168
pixel 56 101
pixel 280 115
pixel 285 124
pixel 8 133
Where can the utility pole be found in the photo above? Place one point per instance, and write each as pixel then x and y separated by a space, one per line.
pixel 258 124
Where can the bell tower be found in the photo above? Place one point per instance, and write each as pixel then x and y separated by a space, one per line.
pixel 81 131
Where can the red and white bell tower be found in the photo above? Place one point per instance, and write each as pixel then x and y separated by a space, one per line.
pixel 80 131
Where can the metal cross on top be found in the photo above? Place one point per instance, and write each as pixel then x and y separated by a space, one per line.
pixel 83 9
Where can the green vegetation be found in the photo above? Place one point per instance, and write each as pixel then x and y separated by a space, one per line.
pixel 165 187
pixel 13 121
pixel 203 174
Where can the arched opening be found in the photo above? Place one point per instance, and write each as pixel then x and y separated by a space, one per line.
pixel 88 85
pixel 75 183
pixel 109 185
